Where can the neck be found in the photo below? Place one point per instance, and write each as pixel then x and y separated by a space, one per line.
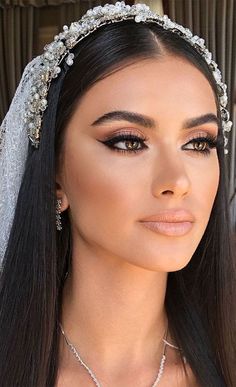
pixel 113 309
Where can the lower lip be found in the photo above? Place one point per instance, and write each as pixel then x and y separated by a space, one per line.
pixel 168 228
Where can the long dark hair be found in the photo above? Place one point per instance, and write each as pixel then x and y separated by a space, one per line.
pixel 199 298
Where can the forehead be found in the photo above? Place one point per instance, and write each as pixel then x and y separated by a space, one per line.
pixel 164 86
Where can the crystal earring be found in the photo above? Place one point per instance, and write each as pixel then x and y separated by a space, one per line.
pixel 58 216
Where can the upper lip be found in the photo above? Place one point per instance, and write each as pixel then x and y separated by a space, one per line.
pixel 171 216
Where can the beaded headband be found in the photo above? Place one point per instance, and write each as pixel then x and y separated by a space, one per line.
pixel 59 50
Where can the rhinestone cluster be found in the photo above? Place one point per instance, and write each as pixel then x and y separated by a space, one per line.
pixel 59 50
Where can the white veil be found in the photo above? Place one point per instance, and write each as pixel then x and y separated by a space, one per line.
pixel 13 152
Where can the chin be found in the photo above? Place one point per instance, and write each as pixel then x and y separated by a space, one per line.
pixel 164 265
pixel 165 257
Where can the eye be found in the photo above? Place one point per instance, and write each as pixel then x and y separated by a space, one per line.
pixel 203 144
pixel 128 143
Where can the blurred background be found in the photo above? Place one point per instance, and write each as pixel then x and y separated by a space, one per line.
pixel 27 25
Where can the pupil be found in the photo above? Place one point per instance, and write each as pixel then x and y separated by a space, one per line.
pixel 128 144
pixel 200 145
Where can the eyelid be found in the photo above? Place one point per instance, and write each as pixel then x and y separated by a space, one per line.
pixel 194 134
pixel 208 136
pixel 201 132
pixel 130 132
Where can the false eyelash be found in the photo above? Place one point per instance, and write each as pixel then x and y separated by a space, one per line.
pixel 125 137
pixel 212 141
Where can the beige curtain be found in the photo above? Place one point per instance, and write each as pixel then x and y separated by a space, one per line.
pixel 20 24
pixel 71 12
pixel 35 3
pixel 215 21
pixel 155 5
pixel 17 26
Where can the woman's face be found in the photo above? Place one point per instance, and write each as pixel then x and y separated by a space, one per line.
pixel 112 187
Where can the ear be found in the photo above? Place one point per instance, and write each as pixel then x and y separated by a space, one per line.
pixel 60 194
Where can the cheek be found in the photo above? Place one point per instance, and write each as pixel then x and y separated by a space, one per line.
pixel 205 185
pixel 99 192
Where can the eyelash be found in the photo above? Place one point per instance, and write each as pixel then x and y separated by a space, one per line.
pixel 212 141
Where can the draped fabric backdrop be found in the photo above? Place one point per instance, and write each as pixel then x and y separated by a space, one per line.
pixel 215 21
pixel 21 22
pixel 19 39
pixel 17 29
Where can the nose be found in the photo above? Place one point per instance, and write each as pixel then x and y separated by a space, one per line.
pixel 170 177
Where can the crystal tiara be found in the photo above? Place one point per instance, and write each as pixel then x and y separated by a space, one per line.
pixel 59 50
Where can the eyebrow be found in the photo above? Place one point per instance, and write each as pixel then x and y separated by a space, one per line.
pixel 148 122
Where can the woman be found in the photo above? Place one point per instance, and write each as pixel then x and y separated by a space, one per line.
pixel 134 285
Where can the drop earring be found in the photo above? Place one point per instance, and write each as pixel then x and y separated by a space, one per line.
pixel 58 215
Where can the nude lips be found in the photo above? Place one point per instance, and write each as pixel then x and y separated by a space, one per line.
pixel 169 228
pixel 172 222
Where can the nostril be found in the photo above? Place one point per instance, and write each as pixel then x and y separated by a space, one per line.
pixel 167 192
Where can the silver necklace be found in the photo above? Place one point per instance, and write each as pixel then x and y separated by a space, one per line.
pixel 90 372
